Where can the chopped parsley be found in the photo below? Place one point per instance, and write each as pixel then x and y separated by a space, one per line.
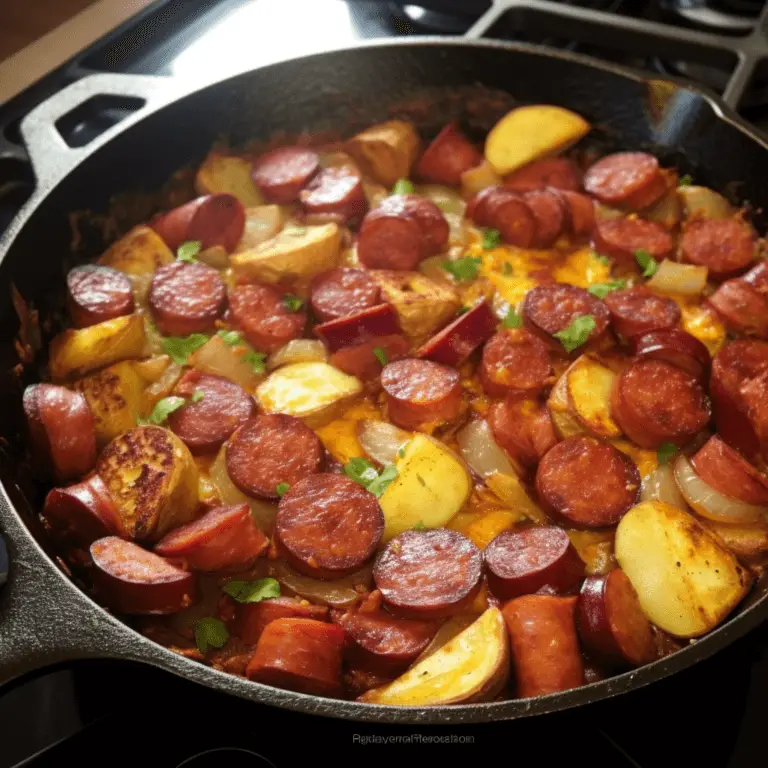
pixel 647 263
pixel 162 410
pixel 401 452
pixel 197 395
pixel 491 239
pixel 507 268
pixel 462 311
pixel 403 187
pixel 230 338
pixel 419 526
pixel 253 591
pixel 666 452
pixel 602 259
pixel 364 473
pixel 463 269
pixel 257 361
pixel 512 319
pixel 576 333
pixel 381 355
pixel 685 181
pixel 601 290
pixel 281 489
pixel 187 251
pixel 210 633
pixel 292 303
pixel 181 347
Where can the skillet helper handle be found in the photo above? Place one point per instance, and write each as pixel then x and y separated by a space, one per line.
pixel 52 158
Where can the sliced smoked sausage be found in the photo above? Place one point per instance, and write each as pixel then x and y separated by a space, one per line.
pixel 742 308
pixel 587 482
pixel 655 403
pixel 505 210
pixel 449 155
pixel 514 361
pixel 96 294
pixel 636 311
pixel 336 191
pixel 532 559
pixel 459 339
pixel 621 239
pixel 549 212
pixel 723 246
pixel 380 320
pixel 420 392
pixel 272 449
pixel 362 360
pixel 544 644
pixel 299 654
pixel 328 526
pixel 556 172
pixel 282 173
pixel 341 292
pixel 252 618
pixel 131 580
pixel 675 347
pixel 427 574
pixel 628 179
pixel 262 315
pixel 523 428
pixel 215 408
pixel 186 298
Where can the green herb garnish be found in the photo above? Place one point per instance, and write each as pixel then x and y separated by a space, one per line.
pixel 281 489
pixel 364 473
pixel 181 347
pixel 257 361
pixel 685 181
pixel 463 269
pixel 230 338
pixel 576 333
pixel 666 452
pixel 187 251
pixel 380 484
pixel 381 355
pixel 601 290
pixel 647 263
pixel 253 591
pixel 292 303
pixel 163 409
pixel 403 187
pixel 197 395
pixel 491 239
pixel 462 311
pixel 419 526
pixel 210 633
pixel 602 259
pixel 507 268
pixel 512 319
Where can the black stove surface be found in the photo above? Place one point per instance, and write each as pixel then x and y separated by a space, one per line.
pixel 105 713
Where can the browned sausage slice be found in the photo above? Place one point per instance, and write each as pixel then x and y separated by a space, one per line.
pixel 302 655
pixel 131 580
pixel 636 311
pixel 611 622
pixel 383 644
pixel 375 321
pixel 186 298
pixel 252 618
pixel 96 294
pixel 420 392
pixel 61 431
pixel 656 403
pixel 532 559
pixel 579 213
pixel 282 173
pixel 556 172
pixel 224 538
pixel 448 156
pixel 458 340
pixel 505 210
pixel 549 212
pixel 514 361
pixel 621 239
pixel 328 526
pixel 741 307
pixel 272 449
pixel 343 291
pixel 336 191
pixel 523 428
pixel 675 347
pixel 544 644
pixel 219 407
pixel 723 246
pixel 363 360
pixel 427 574
pixel 630 179
pixel 262 315
pixel 587 482
pixel 432 224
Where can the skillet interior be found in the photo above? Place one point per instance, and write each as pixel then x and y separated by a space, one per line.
pixel 429 82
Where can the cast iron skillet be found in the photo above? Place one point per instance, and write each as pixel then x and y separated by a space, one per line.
pixel 44 617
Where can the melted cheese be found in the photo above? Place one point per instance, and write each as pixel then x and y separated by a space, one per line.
pixel 340 436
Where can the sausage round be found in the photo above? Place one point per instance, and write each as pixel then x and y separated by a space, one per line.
pixel 741 307
pixel 757 278
pixel 272 449
pixel 655 403
pixel 204 425
pixel 629 179
pixel 341 292
pixel 383 644
pixel 532 559
pixel 380 320
pixel 449 155
pixel 587 482
pixel 186 298
pixel 260 312
pixel 337 191
pixel 723 246
pixel 611 622
pixel 252 618
pixel 504 210
pixel 299 654
pixel 328 526
pixel 224 538
pixel 544 644
pixel 427 574
pixel 549 213
pixel 218 221
pixel 523 428
pixel 729 473
pixel 61 431
pixel 360 359
pixel 675 347
pixel 131 580
pixel 514 361
pixel 420 392
pixel 636 311
pixel 556 172
pixel 622 238
pixel 96 294
pixel 551 308
pixel 579 213
pixel 282 173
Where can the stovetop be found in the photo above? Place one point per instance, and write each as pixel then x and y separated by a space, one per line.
pixel 96 713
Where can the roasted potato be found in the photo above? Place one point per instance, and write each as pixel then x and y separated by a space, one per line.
pixel 74 353
pixel 472 666
pixel 512 492
pixel 386 151
pixel 228 173
pixel 483 527
pixel 704 203
pixel 479 178
pixel 589 396
pixel 559 406
pixel 153 480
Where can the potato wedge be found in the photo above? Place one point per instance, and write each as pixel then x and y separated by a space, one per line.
pixel 116 398
pixel 479 178
pixel 704 203
pixel 228 173
pixel 74 353
pixel 153 480
pixel 589 396
pixel 386 151
pixel 513 493
pixel 422 305
pixel 528 133
pixel 262 223
pixel 314 392
pixel 563 417
pixel 431 486
pixel 294 253
pixel 748 542
pixel 687 582
pixel 473 666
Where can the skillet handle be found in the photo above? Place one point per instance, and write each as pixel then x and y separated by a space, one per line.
pixel 52 158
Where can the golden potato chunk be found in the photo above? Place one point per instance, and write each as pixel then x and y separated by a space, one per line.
pixel 589 395
pixel 228 174
pixel 386 151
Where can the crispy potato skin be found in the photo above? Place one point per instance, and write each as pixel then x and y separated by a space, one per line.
pixel 386 151
pixel 228 174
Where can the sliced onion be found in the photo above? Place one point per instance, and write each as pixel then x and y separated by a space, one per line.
pixel 452 627
pixel 262 222
pixel 512 492
pixel 298 351
pixel 218 358
pixel 710 503
pixel 152 368
pixel 702 202
pixel 481 451
pixel 381 440
pixel 660 485
pixel 671 277
pixel 451 203
pixel 337 594
pixel 165 383
pixel 216 256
